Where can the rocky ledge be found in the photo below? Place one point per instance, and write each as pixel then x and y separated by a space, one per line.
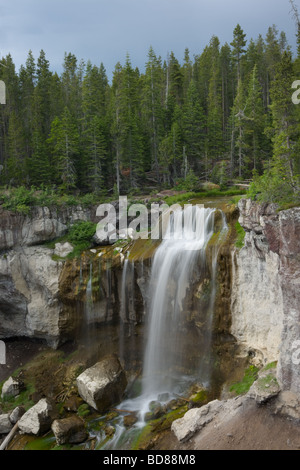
pixel 266 294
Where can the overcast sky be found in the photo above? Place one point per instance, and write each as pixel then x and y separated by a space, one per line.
pixel 105 30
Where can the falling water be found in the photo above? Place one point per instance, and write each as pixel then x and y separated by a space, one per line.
pixel 176 263
pixel 89 297
pixel 127 303
pixel 179 266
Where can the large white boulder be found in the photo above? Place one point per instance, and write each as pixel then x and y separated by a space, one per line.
pixel 38 419
pixel 103 385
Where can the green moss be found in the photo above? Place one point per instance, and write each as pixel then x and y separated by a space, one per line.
pixel 9 403
pixel 41 443
pixel 240 235
pixel 83 410
pixel 271 365
pixel 242 387
pixel 199 398
pixel 266 381
pixel 157 426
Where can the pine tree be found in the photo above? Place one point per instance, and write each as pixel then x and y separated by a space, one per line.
pixel 238 126
pixel 152 109
pixel 238 44
pixel 194 124
pixel 255 124
pixel 64 146
pixel 214 139
pixel 285 140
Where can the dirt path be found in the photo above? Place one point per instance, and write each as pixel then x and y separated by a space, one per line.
pixel 255 428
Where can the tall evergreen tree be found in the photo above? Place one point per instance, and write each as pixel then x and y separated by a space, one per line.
pixel 238 48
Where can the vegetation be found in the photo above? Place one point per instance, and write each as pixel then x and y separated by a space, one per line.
pixel 250 375
pixel 219 117
pixel 240 235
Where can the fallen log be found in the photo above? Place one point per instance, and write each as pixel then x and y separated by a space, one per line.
pixel 9 436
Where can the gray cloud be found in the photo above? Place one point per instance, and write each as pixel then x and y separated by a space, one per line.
pixel 105 30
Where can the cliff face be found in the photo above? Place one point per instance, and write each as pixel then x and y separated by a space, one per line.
pixel 30 304
pixel 265 288
pixel 39 297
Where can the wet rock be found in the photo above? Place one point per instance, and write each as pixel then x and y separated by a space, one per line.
pixel 103 385
pixel 11 388
pixel 175 404
pixel 5 424
pixel 163 397
pixel 156 411
pixel 130 420
pixel 16 414
pixel 69 430
pixel 38 419
pixel 109 431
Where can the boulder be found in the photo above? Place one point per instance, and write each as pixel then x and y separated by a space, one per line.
pixel 102 385
pixel 38 419
pixel 130 420
pixel 16 414
pixel 5 424
pixel 265 387
pixel 69 430
pixel 63 249
pixel 195 419
pixel 11 388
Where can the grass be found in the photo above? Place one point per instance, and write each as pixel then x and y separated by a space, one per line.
pixel 21 200
pixel 240 235
pixel 214 193
pixel 250 375
pixel 271 365
pixel 9 403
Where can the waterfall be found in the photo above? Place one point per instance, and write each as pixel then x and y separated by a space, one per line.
pixel 127 303
pixel 179 259
pixel 89 298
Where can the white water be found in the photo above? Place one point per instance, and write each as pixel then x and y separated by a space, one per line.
pixel 173 268
pixel 178 262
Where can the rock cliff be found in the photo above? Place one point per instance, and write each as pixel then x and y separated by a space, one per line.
pixel 265 288
pixel 30 303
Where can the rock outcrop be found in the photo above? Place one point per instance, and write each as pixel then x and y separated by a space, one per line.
pixel 41 225
pixel 266 294
pixel 102 385
pixel 30 303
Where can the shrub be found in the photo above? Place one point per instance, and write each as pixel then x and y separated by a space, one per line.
pixel 82 232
